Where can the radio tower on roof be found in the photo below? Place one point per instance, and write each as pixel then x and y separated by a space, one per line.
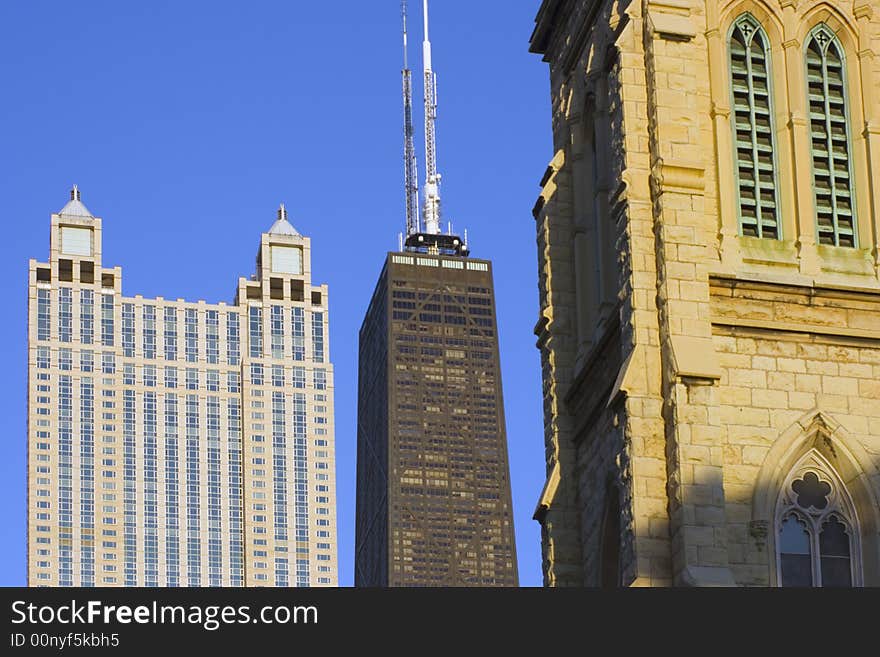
pixel 413 223
pixel 430 239
pixel 432 178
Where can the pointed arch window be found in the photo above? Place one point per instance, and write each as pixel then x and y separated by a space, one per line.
pixel 817 536
pixel 753 134
pixel 829 132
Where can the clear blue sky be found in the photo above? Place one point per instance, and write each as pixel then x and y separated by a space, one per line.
pixel 185 124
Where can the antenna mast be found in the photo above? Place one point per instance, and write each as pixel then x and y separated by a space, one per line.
pixel 432 178
pixel 413 222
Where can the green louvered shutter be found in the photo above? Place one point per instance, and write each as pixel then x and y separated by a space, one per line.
pixel 832 174
pixel 753 130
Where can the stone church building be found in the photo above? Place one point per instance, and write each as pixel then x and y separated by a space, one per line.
pixel 708 237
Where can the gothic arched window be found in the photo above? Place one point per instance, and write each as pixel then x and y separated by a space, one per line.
pixel 829 131
pixel 753 135
pixel 817 538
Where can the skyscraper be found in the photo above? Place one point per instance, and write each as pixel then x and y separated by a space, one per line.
pixel 433 482
pixel 173 443
pixel 433 504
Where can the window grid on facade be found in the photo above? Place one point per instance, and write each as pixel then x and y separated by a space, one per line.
pixel 213 478
pixel 277 328
pixel 87 316
pixel 233 345
pixel 150 479
pixel 300 486
pixel 829 130
pixel 44 315
pixel 129 488
pixel 255 321
pixel 193 501
pixel 170 330
pixel 172 501
pixel 87 481
pixel 236 543
pixel 753 130
pixel 298 328
pixel 191 335
pixel 107 320
pixel 65 314
pixel 212 336
pixel 128 330
pixel 149 331
pixel 318 337
pixel 65 480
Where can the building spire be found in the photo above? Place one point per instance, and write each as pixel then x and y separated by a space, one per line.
pixel 411 172
pixel 282 226
pixel 75 207
pixel 432 178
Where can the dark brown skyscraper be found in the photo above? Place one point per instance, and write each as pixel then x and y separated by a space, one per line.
pixel 433 482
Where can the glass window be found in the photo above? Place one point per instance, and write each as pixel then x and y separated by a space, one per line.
pixel 256 331
pixel 191 336
pixel 212 336
pixel 829 130
pixel 65 314
pixel 43 315
pixel 318 337
pixel 170 317
pixel 753 133
pixel 87 316
pixel 814 536
pixel 107 320
pixel 277 326
pixel 233 348
pixel 149 331
pixel 128 330
pixel 299 333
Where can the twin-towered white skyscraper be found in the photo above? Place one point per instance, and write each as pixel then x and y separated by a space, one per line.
pixel 173 443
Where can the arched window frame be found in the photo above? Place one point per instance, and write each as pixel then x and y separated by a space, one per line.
pixel 840 505
pixel 821 32
pixel 751 29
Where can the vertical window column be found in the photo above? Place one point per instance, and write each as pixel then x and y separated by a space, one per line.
pixel 129 488
pixel 193 504
pixel 318 337
pixel 191 335
pixel 87 316
pixel 172 492
pixel 236 538
pixel 65 314
pixel 301 489
pixel 233 340
pixel 128 330
pixel 151 507
pixel 212 336
pixel 44 315
pixel 65 481
pixel 213 476
pixel 255 321
pixel 87 481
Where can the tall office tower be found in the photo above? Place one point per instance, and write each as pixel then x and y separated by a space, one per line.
pixel 174 443
pixel 433 482
pixel 433 503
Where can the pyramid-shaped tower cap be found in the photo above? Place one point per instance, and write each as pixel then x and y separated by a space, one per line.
pixel 75 207
pixel 282 226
